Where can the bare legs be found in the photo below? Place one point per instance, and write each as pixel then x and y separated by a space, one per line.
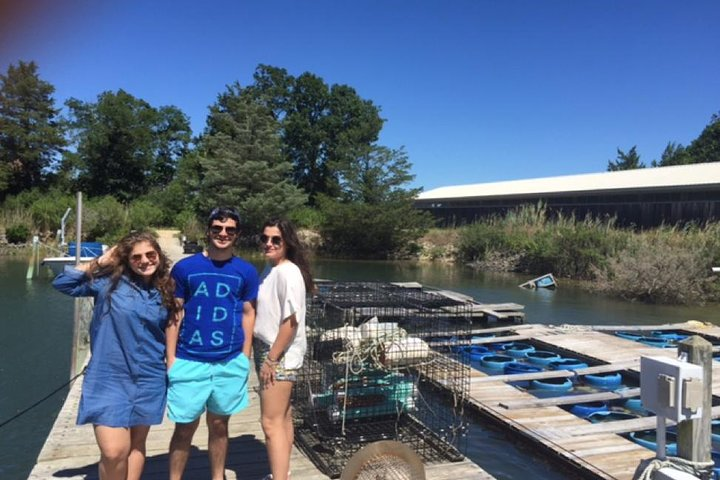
pixel 217 445
pixel 278 427
pixel 180 447
pixel 122 451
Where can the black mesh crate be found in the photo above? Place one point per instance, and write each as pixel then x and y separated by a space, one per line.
pixel 383 362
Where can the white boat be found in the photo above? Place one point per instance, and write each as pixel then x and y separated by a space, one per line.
pixel 88 251
pixel 57 264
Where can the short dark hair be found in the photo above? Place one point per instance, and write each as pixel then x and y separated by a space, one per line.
pixel 222 214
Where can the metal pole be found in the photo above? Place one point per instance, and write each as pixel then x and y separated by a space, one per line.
pixel 62 226
pixel 76 312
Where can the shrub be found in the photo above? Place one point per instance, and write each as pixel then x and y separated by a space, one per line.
pixel 478 239
pixel 105 220
pixel 144 214
pixel 17 233
pixel 188 223
pixel 655 268
pixel 306 217
pixel 371 230
pixel 48 209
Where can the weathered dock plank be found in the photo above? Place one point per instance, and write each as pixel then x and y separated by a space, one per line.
pixel 572 399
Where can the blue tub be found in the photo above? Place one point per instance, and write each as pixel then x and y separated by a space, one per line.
pixel 496 362
pixel 542 357
pixel 671 335
pixel 648 439
pixel 514 368
pixel 655 342
pixel 584 409
pixel 554 384
pixel 603 380
pixel 629 336
pixel 519 350
pixel 635 405
pixel 567 364
pixel 477 352
pixel 610 416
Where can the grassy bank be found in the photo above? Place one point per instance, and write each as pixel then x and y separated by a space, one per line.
pixel 664 265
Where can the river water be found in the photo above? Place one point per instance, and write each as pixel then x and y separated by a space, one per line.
pixel 37 329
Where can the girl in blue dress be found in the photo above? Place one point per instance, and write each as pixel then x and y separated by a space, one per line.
pixel 124 390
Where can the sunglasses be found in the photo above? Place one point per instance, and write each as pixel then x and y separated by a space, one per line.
pixel 151 256
pixel 218 229
pixel 275 240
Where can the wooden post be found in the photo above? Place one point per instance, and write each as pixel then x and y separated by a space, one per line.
pixel 694 435
pixel 76 312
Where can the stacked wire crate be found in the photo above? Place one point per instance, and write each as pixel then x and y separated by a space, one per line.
pixel 382 363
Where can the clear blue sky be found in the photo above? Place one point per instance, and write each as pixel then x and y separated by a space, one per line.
pixel 476 90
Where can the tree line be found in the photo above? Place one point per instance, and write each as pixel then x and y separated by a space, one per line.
pixel 704 149
pixel 284 145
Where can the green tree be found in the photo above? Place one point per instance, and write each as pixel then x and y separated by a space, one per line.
pixel 124 146
pixel 241 161
pixel 374 215
pixel 674 154
pixel 31 133
pixel 321 126
pixel 625 161
pixel 706 148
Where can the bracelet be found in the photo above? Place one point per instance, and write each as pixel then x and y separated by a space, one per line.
pixel 272 363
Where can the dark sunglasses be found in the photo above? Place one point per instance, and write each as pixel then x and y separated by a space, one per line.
pixel 275 240
pixel 218 229
pixel 151 256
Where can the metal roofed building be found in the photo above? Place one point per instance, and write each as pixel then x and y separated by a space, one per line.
pixel 644 197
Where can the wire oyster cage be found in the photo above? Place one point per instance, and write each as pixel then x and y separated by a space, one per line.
pixel 384 362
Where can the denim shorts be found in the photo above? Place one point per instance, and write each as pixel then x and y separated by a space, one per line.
pixel 193 387
pixel 260 353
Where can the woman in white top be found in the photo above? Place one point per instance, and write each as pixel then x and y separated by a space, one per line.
pixel 280 344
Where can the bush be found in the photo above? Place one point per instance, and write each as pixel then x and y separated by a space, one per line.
pixel 47 210
pixel 144 214
pixel 306 217
pixel 480 238
pixel 573 250
pixel 655 268
pixel 188 223
pixel 371 231
pixel 17 233
pixel 105 220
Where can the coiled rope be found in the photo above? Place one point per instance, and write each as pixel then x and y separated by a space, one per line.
pixel 698 469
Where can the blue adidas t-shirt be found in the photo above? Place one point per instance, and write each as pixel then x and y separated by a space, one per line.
pixel 214 293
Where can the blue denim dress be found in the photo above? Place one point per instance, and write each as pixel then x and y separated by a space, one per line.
pixel 126 383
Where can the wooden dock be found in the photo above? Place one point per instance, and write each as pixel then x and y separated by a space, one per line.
pixel 594 450
pixel 70 451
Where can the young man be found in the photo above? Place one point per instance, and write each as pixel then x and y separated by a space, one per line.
pixel 208 347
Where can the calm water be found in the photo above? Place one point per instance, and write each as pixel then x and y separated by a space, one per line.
pixel 37 330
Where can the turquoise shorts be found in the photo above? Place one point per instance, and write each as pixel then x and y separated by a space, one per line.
pixel 193 387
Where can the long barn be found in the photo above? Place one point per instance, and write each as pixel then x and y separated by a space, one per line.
pixel 642 198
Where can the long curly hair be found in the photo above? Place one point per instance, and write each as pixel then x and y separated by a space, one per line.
pixel 294 249
pixel 120 266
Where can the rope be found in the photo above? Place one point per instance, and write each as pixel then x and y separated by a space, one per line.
pixel 24 411
pixel 368 352
pixel 697 469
